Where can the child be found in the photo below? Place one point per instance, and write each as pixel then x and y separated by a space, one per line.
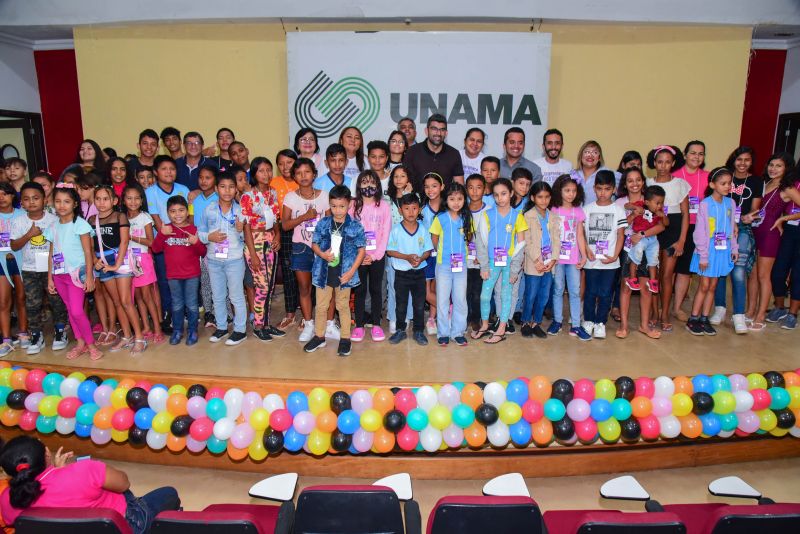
pixel 70 263
pixel 399 186
pixel 378 158
pixel 26 235
pixel 490 170
pixel 339 246
pixel 182 248
pixel 451 231
pixel 500 246
pixel 70 174
pixel 198 200
pixel 86 187
pixel 242 187
pixel 521 180
pixel 118 178
pixel 335 160
pixel 283 184
pixel 716 247
pixel 567 200
pixel 409 247
pixel 432 184
pixel 16 172
pixel 242 181
pixel 476 185
pixel 260 215
pixel 146 297
pixel 48 182
pixel 371 209
pixel 220 229
pixel 145 176
pixel 605 236
pixel 648 220
pixel 11 288
pixel 543 238
pixel 114 267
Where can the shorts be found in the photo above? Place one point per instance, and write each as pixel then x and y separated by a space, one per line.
pixel 248 279
pixel 11 264
pixel 430 268
pixel 148 275
pixel 685 260
pixel 625 262
pixel 302 257
pixel 111 258
pixel 672 233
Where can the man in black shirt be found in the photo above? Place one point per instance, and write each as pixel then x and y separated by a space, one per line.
pixel 148 146
pixel 434 155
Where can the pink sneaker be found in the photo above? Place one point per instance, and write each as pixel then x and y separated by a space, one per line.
pixel 357 335
pixel 377 333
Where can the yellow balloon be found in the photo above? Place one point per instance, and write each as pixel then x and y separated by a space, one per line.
pixel 605 389
pixel 5 376
pixel 510 412
pixel 503 383
pixel 609 429
pixel 779 432
pixel 371 420
pixel 318 442
pixel 256 449
pixel 681 404
pixel 319 400
pixel 162 422
pixel 48 406
pixel 259 419
pixel 77 374
pixel 177 388
pixel 768 420
pixel 794 394
pixel 440 417
pixel 120 436
pixel 118 398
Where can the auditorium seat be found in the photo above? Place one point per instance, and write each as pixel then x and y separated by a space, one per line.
pixel 478 514
pixel 612 522
pixel 228 519
pixel 71 521
pixel 720 518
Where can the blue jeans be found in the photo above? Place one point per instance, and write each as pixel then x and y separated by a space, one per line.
pixel 567 276
pixel 141 511
pixel 495 273
pixel 597 298
pixel 738 278
pixel 646 247
pixel 163 285
pixel 517 294
pixel 226 280
pixel 451 285
pixel 537 293
pixel 184 296
pixel 391 301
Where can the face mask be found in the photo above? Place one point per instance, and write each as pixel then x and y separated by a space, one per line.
pixel 369 191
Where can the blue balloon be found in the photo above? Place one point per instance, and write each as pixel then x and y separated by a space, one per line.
pixel 729 421
pixel 711 424
pixel 702 383
pixel 517 391
pixel 86 391
pixel 554 409
pixel 296 402
pixel 216 446
pixel 293 440
pixel 46 425
pixel 419 447
pixel 352 449
pixel 601 410
pixel 459 385
pixel 621 409
pixel 520 432
pixel 85 414
pixel 52 383
pixel 110 382
pixel 144 418
pixel 83 431
pixel 348 422
pixel 720 383
pixel 161 386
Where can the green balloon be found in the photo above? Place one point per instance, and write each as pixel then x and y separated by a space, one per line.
pixel 724 402
pixel 609 429
pixel 621 409
pixel 417 419
pixel 46 425
pixel 605 389
pixel 4 391
pixel 728 422
pixel 216 446
pixel 52 383
pixel 463 415
pixel 554 409
pixel 780 398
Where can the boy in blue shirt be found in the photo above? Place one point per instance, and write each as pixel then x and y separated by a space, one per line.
pixel 336 161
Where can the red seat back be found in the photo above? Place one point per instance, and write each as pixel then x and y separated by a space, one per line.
pixel 719 518
pixel 612 522
pixel 219 518
pixel 71 521
pixel 472 514
pixel 344 509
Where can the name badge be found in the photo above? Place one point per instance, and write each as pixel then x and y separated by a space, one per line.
pixel 310 226
pixel 795 222
pixel 221 249
pixel 648 215
pixel 5 242
pixel 372 240
pixel 58 264
pixel 601 250
pixel 666 210
pixel 137 259
pixel 456 262
pixel 547 254
pixel 500 257
pixel 720 241
pixel 566 250
pixel 737 214
pixel 40 261
pixel 761 214
pixel 694 204
pixel 336 247
pixel 472 252
pixel 628 244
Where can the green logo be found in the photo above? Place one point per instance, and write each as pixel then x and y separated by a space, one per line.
pixel 327 107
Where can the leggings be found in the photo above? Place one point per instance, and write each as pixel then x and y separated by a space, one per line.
pixel 503 273
pixel 263 279
pixel 73 297
pixel 371 278
pixel 291 292
pixel 788 259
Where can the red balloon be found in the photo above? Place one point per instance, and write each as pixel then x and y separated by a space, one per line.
pixel 761 399
pixel 645 387
pixel 33 380
pixel 651 427
pixel 215 393
pixel 27 421
pixel 524 379
pixel 586 430
pixel 532 410
pixel 122 419
pixel 405 401
pixel 144 384
pixel 407 439
pixel 68 407
pixel 584 389
pixel 280 420
pixel 201 429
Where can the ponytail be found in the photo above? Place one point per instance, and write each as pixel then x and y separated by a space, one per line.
pixel 23 459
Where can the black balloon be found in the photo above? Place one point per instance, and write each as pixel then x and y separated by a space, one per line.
pixel 563 390
pixel 626 387
pixel 196 390
pixel 273 441
pixel 786 418
pixel 137 436
pixel 630 429
pixel 486 414
pixel 340 441
pixel 16 399
pixel 94 378
pixel 180 426
pixel 340 401
pixel 394 390
pixel 703 403
pixel 394 421
pixel 775 379
pixel 564 429
pixel 136 398
pixel 481 385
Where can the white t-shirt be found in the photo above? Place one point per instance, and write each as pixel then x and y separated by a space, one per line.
pixel 384 185
pixel 351 170
pixel 471 165
pixel 676 190
pixel 36 251
pixel 304 232
pixel 601 225
pixel 138 225
pixel 551 171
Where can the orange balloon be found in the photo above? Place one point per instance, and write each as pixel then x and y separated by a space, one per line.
pixel 3 365
pixel 691 427
pixel 641 406
pixel 383 401
pixel 539 388
pixel 18 378
pixel 103 416
pixel 383 441
pixel 796 413
pixel 176 444
pixel 472 396
pixel 236 454
pixel 126 383
pixel 327 421
pixel 683 385
pixel 176 404
pixel 10 417
pixel 475 434
pixel 790 377
pixel 542 431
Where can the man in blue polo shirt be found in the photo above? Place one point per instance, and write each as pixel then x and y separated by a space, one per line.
pixel 189 165
pixel 514 146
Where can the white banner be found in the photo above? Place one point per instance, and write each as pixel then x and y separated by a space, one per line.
pixel 371 80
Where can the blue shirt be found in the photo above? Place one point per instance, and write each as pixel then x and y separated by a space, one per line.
pixel 200 203
pixel 66 239
pixel 543 221
pixel 489 200
pixel 427 216
pixel 500 229
pixel 157 199
pixel 326 183
pixel 451 237
pixel 405 243
pixel 188 177
pixel 213 220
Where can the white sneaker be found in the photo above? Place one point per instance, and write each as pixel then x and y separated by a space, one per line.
pixel 588 326
pixel 60 340
pixel 599 331
pixel 308 331
pixel 739 323
pixel 718 316
pixel 431 326
pixel 392 327
pixel 36 344
pixel 332 331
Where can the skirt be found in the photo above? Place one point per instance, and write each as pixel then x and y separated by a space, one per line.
pixel 719 262
pixel 148 271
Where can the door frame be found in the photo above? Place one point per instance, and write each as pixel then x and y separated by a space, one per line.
pixel 786 142
pixel 34 138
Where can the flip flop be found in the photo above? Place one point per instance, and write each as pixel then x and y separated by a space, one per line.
pixel 616 316
pixel 501 337
pixel 757 327
pixel 652 334
pixel 666 327
pixel 621 333
pixel 478 334
pixel 94 353
pixel 77 351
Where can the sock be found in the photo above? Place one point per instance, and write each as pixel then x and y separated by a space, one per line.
pixel 694 318
pixel 704 318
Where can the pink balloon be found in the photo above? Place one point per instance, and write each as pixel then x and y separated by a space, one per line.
pixel 748 422
pixel 738 382
pixel 122 419
pixel 215 393
pixel 304 422
pixel 578 410
pixel 362 440
pixel 250 402
pixel 361 401
pixel 761 399
pixel 102 395
pixel 201 429
pixel 407 439
pixel 144 384
pixel 193 445
pixel 662 406
pixel 651 427
pixel 645 387
pixel 405 401
pixel 68 407
pixel 27 421
pixel 33 380
pixel 280 420
pixel 196 407
pixel 32 401
pixel 532 410
pixel 242 436
pixel 584 389
pixel 586 430
pixel 453 435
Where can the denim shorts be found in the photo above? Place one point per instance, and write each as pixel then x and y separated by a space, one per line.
pixel 111 258
pixel 302 257
pixel 430 268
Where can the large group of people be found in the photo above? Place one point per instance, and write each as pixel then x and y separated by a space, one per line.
pixel 126 252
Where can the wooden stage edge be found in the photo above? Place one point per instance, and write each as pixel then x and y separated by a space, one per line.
pixel 531 461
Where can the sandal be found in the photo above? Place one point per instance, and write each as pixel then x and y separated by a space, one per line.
pixel 615 315
pixel 94 353
pixel 666 327
pixel 652 334
pixel 757 327
pixel 103 337
pixel 499 337
pixel 681 315
pixel 652 324
pixel 621 333
pixel 139 346
pixel 478 334
pixel 77 351
pixel 147 335
pixel 111 339
pixel 158 339
pixel 123 343
pixel 286 322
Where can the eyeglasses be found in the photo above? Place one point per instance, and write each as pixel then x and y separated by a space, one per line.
pixel 192 143
pixel 307 139
pixel 434 129
pixel 591 153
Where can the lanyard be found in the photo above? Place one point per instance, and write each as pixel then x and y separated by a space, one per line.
pixel 453 227
pixel 696 179
pixel 506 238
pixel 724 227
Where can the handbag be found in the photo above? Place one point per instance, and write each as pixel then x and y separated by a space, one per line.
pixel 130 265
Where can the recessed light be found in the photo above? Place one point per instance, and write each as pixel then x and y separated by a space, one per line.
pixel 784 34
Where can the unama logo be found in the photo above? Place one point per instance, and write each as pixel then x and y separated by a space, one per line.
pixel 327 107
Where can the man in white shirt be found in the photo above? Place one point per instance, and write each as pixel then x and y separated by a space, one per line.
pixel 552 164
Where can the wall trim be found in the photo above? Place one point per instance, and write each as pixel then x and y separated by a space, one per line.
pixel 37 44
pixel 775 44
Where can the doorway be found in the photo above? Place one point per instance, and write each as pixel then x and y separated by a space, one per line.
pixel 21 136
pixel 787 138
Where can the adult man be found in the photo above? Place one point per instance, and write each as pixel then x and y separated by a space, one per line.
pixel 148 146
pixel 225 137
pixel 552 164
pixel 188 166
pixel 171 137
pixel 472 153
pixel 409 129
pixel 514 146
pixel 434 155
pixel 240 155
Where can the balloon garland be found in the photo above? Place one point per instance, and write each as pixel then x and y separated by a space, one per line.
pixel 520 412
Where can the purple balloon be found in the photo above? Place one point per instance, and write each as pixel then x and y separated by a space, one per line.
pixel 99 436
pixel 32 401
pixel 738 382
pixel 362 440
pixel 453 435
pixel 662 406
pixel 250 402
pixel 196 406
pixel 242 436
pixel 304 422
pixel 102 395
pixel 361 401
pixel 578 410
pixel 192 444
pixel 748 421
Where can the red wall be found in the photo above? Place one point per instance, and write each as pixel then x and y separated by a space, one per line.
pixel 761 102
pixel 61 106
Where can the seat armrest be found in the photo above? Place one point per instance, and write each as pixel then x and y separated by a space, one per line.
pixel 412 517
pixel 285 518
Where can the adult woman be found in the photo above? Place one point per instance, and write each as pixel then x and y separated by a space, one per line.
pixel 472 153
pixel 788 260
pixel 90 157
pixel 590 160
pixel 398 144
pixel 353 143
pixel 306 145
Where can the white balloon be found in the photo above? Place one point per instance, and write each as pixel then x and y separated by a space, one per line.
pixel 157 399
pixel 69 387
pixel 449 396
pixel 494 393
pixel 498 434
pixel 65 425
pixel 670 426
pixel 744 401
pixel 273 402
pixel 430 438
pixel 664 387
pixel 726 433
pixel 223 429
pixel 233 402
pixel 795 431
pixel 427 398
pixel 156 440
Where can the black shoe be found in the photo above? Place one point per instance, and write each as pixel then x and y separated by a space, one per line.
pixel 218 335
pixel 694 327
pixel 510 329
pixel 518 318
pixel 236 338
pixel 344 347
pixel 527 330
pixel 538 332
pixel 397 337
pixel 166 324
pixel 420 338
pixel 707 328
pixel 443 341
pixel 263 334
pixel 494 325
pixel 274 332
pixel 314 344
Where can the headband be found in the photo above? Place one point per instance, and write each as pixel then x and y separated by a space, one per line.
pixel 435 175
pixel 722 170
pixel 23 467
pixel 660 148
pixel 65 185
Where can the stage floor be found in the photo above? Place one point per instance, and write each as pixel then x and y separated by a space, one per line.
pixel 676 353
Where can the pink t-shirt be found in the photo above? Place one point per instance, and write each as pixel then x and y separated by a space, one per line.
pixel 571 221
pixel 698 181
pixel 76 485
pixel 377 222
pixel 304 232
